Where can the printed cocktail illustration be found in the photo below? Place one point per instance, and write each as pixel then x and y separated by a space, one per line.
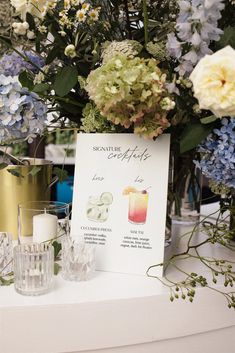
pixel 138 205
pixel 98 207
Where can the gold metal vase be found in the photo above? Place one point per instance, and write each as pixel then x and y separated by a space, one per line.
pixel 24 187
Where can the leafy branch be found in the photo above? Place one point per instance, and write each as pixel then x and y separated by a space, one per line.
pixel 218 271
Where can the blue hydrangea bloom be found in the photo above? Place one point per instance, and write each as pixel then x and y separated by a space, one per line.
pixel 218 154
pixel 22 113
pixel 12 64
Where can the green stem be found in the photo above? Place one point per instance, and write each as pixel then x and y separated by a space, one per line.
pixel 61 99
pixel 146 22
pixel 22 55
pixel 128 24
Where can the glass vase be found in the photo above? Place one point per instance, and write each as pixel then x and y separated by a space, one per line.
pixel 42 221
pixel 78 260
pixel 184 191
pixel 33 268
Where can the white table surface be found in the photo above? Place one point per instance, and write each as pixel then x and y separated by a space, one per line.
pixel 114 313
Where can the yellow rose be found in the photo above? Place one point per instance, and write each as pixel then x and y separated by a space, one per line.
pixel 213 81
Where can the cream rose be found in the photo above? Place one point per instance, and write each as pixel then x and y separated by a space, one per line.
pixel 213 81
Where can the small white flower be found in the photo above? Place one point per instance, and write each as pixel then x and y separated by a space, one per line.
pixel 167 103
pixel 25 25
pixel 85 6
pixel 42 29
pixel 62 33
pixel 14 24
pixel 67 4
pixel 81 15
pixel 94 14
pixel 19 28
pixel 30 35
pixel 70 51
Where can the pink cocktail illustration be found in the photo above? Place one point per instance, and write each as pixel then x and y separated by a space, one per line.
pixel 138 205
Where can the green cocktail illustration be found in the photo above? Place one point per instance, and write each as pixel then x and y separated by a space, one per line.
pixel 98 207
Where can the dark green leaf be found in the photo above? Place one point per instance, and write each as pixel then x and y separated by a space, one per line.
pixel 38 44
pixel 6 40
pixel 227 38
pixel 35 170
pixel 60 173
pixel 30 20
pixel 52 55
pixel 208 119
pixel 25 80
pixel 41 87
pixel 54 31
pixel 192 135
pixel 65 80
pixel 15 172
pixel 73 109
pixel 3 165
pixel 57 248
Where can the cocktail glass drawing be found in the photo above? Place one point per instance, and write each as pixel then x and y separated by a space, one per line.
pixel 138 205
pixel 98 207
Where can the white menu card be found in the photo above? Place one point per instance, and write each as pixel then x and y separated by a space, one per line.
pixel 119 199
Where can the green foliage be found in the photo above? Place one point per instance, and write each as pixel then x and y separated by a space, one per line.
pixel 41 87
pixel 228 38
pixel 192 135
pixel 57 248
pixel 26 80
pixel 61 173
pixel 3 165
pixel 5 281
pixel 208 119
pixel 65 80
pixel 36 169
pixel 31 22
pixel 15 172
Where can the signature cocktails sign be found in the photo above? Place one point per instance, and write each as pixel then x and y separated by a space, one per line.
pixel 120 196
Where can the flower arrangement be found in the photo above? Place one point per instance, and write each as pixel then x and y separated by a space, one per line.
pixel 141 66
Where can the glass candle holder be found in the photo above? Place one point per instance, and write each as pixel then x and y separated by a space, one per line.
pixel 78 260
pixel 42 221
pixel 33 268
pixel 6 254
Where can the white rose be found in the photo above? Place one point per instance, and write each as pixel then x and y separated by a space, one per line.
pixel 213 81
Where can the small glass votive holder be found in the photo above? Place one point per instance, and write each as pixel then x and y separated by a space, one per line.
pixel 78 260
pixel 33 268
pixel 42 221
pixel 6 254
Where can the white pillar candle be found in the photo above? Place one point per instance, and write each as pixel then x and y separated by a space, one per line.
pixel 44 227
